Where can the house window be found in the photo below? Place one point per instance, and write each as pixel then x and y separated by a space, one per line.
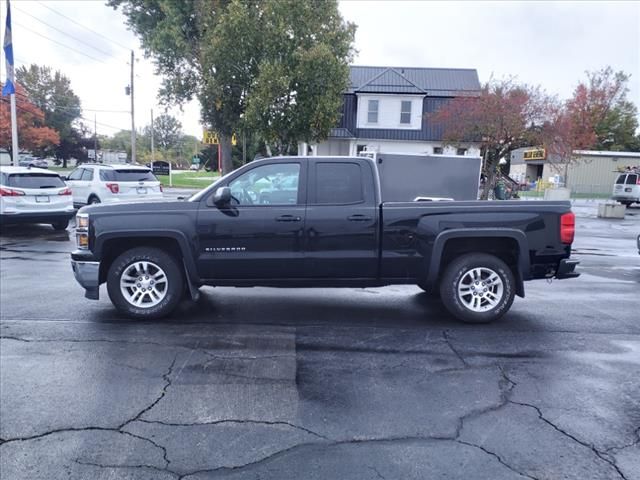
pixel 437 150
pixel 405 112
pixel 360 148
pixel 461 151
pixel 372 112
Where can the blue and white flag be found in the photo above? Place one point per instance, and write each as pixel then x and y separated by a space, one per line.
pixel 10 84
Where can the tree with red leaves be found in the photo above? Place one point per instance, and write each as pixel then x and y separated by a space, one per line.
pixel 504 117
pixel 32 133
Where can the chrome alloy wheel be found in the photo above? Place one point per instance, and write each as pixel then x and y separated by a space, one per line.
pixel 143 284
pixel 480 289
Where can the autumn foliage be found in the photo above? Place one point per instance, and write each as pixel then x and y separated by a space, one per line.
pixel 32 134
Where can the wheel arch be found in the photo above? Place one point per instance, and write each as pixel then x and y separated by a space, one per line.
pixel 509 245
pixel 109 246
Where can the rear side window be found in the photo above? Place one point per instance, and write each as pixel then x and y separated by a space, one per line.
pixel 132 175
pixel 34 180
pixel 632 179
pixel 76 174
pixel 338 183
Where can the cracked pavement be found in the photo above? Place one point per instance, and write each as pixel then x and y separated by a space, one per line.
pixel 317 384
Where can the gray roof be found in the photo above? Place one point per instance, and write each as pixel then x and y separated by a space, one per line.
pixel 443 82
pixel 341 133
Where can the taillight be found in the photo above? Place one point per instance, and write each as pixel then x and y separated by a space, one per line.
pixel 114 187
pixel 10 192
pixel 161 189
pixel 567 228
pixel 66 191
pixel 638 181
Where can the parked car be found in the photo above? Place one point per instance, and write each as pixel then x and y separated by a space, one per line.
pixel 33 162
pixel 336 231
pixel 100 183
pixel 33 195
pixel 627 188
pixel 195 167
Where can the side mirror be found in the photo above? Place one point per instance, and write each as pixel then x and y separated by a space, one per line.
pixel 222 197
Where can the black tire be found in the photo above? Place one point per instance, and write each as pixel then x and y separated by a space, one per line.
pixel 430 292
pixel 93 200
pixel 458 270
pixel 61 225
pixel 174 289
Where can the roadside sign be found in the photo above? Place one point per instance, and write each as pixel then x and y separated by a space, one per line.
pixel 234 139
pixel 195 160
pixel 534 154
pixel 209 137
pixel 160 167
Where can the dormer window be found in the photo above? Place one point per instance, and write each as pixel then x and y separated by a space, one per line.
pixel 405 112
pixel 372 111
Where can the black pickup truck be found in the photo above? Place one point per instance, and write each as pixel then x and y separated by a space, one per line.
pixel 319 222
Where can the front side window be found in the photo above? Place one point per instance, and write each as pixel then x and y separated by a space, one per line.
pixel 372 112
pixel 87 174
pixel 632 179
pixel 620 180
pixel 338 183
pixel 405 112
pixel 276 184
pixel 76 174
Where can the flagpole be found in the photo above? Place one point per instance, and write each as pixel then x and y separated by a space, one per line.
pixel 14 131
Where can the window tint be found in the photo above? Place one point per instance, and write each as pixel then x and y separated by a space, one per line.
pixel 372 112
pixel 87 174
pixel 632 179
pixel 405 112
pixel 338 183
pixel 132 175
pixel 276 184
pixel 461 151
pixel 35 180
pixel 437 150
pixel 76 174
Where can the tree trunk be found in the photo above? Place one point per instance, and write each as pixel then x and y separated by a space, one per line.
pixel 227 161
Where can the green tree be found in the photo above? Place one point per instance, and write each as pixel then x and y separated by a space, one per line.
pixel 51 92
pixel 274 67
pixel 167 132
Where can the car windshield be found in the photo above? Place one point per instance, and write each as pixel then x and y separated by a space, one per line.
pixel 129 175
pixel 34 180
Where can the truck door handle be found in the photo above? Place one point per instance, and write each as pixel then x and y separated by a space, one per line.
pixel 359 218
pixel 288 218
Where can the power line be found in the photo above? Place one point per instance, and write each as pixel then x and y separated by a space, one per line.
pixel 65 33
pixel 84 26
pixel 60 43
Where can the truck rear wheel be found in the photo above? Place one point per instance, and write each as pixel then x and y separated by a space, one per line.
pixel 145 283
pixel 477 288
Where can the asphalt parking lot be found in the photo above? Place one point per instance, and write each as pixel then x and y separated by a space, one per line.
pixel 322 383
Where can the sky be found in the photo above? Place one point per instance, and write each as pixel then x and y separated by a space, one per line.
pixel 550 44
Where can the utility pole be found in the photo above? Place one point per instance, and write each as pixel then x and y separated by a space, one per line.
pixel 133 121
pixel 95 138
pixel 153 152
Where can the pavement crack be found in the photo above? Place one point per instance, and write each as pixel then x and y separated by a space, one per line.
pixel 497 457
pixel 447 340
pixel 237 421
pixel 601 455
pixel 378 474
pixel 17 339
pixel 167 380
pixel 58 430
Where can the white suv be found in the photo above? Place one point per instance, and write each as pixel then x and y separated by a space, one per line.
pixel 98 183
pixel 34 195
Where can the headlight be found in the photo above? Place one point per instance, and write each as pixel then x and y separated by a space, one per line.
pixel 82 221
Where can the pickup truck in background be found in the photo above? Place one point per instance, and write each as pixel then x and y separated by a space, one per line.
pixel 319 222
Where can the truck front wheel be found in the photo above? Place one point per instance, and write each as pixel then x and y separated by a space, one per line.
pixel 145 283
pixel 477 288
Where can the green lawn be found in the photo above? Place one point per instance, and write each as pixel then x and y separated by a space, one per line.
pixel 189 179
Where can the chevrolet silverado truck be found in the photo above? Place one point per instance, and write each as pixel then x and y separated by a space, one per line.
pixel 319 222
